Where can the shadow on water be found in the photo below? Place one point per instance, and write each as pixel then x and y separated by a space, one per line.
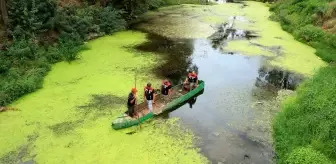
pixel 275 78
pixel 176 56
pixel 190 102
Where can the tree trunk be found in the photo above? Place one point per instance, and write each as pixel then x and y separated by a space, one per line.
pixel 4 14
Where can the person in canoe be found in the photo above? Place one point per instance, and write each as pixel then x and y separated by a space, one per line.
pixel 132 97
pixel 191 81
pixel 149 96
pixel 166 88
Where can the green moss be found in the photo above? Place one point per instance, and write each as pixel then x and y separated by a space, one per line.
pixel 105 69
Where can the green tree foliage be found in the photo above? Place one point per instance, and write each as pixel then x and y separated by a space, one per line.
pixel 29 17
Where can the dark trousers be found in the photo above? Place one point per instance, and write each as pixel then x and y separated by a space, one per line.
pixel 130 110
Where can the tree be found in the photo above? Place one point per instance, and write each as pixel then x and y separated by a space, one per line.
pixel 4 14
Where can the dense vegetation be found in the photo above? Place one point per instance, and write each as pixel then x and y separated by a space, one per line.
pixel 305 129
pixel 305 19
pixel 38 33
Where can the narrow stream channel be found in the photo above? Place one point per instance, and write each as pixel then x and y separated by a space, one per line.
pixel 231 130
pixel 231 127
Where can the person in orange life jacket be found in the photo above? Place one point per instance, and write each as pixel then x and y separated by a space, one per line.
pixel 131 102
pixel 149 96
pixel 166 88
pixel 191 81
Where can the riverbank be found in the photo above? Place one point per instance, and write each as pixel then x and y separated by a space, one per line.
pixel 304 129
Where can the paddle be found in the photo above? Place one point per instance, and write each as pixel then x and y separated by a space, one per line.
pixel 136 102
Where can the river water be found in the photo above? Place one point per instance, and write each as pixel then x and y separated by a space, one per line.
pixel 230 128
pixel 226 117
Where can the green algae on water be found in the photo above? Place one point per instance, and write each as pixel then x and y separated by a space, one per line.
pixel 104 76
pixel 297 56
pixel 199 21
pixel 186 21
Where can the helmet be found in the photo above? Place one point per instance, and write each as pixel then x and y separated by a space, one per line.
pixel 149 84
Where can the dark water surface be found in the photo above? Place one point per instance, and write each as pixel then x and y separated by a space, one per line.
pixel 231 128
pixel 223 116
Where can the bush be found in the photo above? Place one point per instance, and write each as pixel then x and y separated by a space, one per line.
pixel 22 50
pixel 309 119
pixel 110 20
pixel 69 47
pixel 307 155
pixel 325 51
pixel 30 15
pixel 309 33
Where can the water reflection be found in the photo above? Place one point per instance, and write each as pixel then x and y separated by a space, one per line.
pixel 278 79
pixel 191 102
pixel 176 56
pixel 226 32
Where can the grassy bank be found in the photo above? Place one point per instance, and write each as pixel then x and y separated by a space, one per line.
pixel 304 130
pixel 307 121
pixel 43 32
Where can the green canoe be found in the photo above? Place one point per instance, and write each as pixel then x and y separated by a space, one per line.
pixel 162 105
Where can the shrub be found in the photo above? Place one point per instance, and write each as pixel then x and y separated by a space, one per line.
pixel 30 15
pixel 309 33
pixel 307 155
pixel 22 50
pixel 309 118
pixel 110 20
pixel 325 51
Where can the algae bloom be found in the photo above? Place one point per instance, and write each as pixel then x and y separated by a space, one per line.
pixel 69 120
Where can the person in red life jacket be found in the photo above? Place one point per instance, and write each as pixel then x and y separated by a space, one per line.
pixel 191 81
pixel 149 96
pixel 166 88
pixel 131 102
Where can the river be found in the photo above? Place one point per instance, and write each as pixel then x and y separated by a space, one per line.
pixel 234 114
pixel 246 61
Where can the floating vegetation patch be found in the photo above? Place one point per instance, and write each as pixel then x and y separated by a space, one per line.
pixel 278 50
pixel 65 127
pixel 23 152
